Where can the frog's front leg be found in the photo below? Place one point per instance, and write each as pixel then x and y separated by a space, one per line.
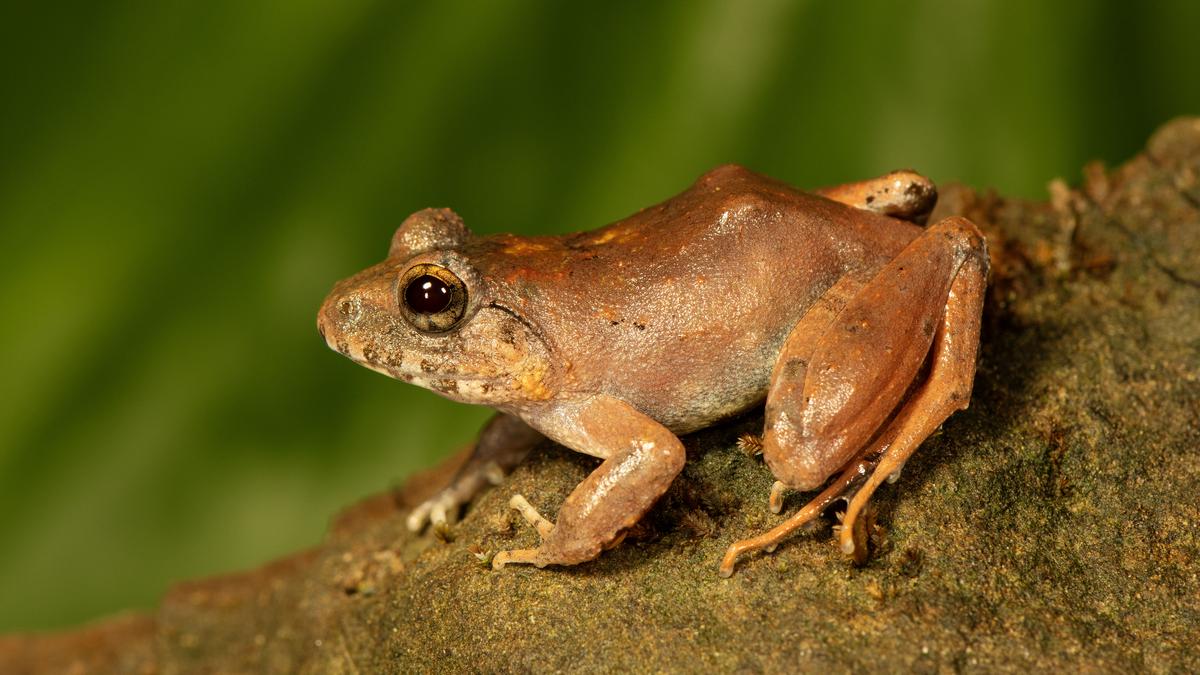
pixel 906 195
pixel 849 394
pixel 502 443
pixel 641 458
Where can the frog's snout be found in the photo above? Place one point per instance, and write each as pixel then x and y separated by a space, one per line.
pixel 338 316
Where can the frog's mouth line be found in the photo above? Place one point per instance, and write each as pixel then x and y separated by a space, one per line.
pixel 415 375
pixel 422 376
pixel 414 372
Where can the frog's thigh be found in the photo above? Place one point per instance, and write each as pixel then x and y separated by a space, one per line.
pixel 785 396
pixel 906 195
pixel 832 392
pixel 642 458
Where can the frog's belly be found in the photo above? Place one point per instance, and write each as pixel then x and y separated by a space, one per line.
pixel 697 384
pixel 697 407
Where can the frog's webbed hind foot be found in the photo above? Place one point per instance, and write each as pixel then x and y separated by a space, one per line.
pixel 905 194
pixel 802 518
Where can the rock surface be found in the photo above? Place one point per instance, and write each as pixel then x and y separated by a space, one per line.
pixel 1053 525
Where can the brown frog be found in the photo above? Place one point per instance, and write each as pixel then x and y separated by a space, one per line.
pixel 858 327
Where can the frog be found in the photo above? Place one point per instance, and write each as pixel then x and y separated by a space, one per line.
pixel 853 322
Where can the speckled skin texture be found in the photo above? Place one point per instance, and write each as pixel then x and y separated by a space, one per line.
pixel 613 341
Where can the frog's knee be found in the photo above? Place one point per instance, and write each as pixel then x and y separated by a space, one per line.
pixel 962 234
pixel 798 462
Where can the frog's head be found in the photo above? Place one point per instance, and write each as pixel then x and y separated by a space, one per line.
pixel 427 316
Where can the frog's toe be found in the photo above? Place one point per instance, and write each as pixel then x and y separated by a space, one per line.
pixel 775 501
pixel 526 556
pixel 443 514
pixel 855 538
pixel 543 526
pixel 419 516
pixel 440 512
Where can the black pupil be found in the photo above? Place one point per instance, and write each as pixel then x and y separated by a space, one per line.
pixel 427 294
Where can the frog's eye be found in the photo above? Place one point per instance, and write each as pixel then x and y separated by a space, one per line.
pixel 432 298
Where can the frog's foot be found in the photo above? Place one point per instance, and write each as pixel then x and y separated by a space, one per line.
pixel 904 194
pixel 536 556
pixel 860 532
pixel 528 556
pixel 898 357
pixel 441 510
pixel 769 540
pixel 641 458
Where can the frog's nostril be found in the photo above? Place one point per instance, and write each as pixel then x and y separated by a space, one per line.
pixel 349 309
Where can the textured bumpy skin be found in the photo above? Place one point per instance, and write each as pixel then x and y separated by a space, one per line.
pixel 829 306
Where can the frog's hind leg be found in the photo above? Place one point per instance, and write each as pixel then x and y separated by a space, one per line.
pixel 854 472
pixel 946 390
pixel 906 195
pixel 846 392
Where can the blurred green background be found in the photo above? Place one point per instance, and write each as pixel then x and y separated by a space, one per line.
pixel 181 183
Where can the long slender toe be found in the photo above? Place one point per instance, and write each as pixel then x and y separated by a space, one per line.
pixel 543 526
pixel 775 501
pixel 526 556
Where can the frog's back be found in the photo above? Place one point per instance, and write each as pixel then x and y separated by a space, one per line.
pixel 681 308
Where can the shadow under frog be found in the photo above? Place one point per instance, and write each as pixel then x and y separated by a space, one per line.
pixel 858 327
